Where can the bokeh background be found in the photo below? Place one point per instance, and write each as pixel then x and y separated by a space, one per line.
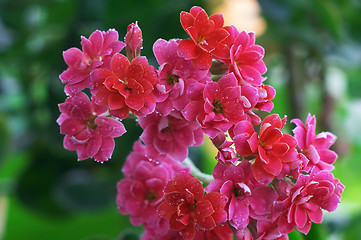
pixel 313 55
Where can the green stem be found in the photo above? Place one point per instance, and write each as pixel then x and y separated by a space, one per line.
pixel 203 177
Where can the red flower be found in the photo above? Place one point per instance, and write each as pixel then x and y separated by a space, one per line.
pixel 275 150
pixel 207 35
pixel 127 87
pixel 186 206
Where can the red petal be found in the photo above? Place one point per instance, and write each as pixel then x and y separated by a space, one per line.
pixel 206 223
pixel 174 224
pixel 202 23
pixel 115 101
pixel 204 209
pixel 119 65
pixel 274 167
pixel 135 102
pixel 196 10
pixel 217 36
pixel 186 19
pixel 189 232
pixel 188 49
pixel 270 136
pixel 203 61
pixel 218 20
pixel 278 149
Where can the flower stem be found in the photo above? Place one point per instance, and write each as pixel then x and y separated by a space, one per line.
pixel 203 177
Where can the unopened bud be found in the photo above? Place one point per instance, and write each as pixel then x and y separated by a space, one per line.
pixel 133 40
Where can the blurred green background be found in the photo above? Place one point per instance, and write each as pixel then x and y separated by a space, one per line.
pixel 313 55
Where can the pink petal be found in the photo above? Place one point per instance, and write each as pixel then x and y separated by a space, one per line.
pixel 74 57
pixel 106 150
pixel 315 216
pixel 300 217
pixel 71 126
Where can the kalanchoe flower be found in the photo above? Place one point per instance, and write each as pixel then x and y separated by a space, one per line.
pixel 277 155
pixel 247 198
pixel 222 106
pixel 86 132
pixel 266 94
pixel 141 191
pixel 314 147
pixel 175 75
pixel 139 154
pixel 171 134
pixel 246 58
pixel 187 208
pixel 245 138
pixel 133 41
pixel 207 35
pixel 226 153
pixel 125 87
pixel 96 52
pixel 310 194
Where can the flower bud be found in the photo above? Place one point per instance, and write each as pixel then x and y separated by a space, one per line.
pixel 133 40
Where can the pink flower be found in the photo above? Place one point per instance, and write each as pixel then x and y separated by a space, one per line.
pixel 171 134
pixel 222 105
pixel 141 191
pixel 86 132
pixel 133 41
pixel 207 35
pixel 269 228
pixel 310 194
pixel 226 153
pixel 245 138
pixel 96 52
pixel 139 154
pixel 175 75
pixel 126 87
pixel 186 206
pixel 314 147
pixel 265 95
pixel 276 151
pixel 246 59
pixel 247 198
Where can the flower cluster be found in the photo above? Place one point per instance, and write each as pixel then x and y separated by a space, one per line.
pixel 266 182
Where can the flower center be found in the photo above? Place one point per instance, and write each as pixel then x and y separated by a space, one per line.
pixel 91 124
pixel 241 190
pixel 238 192
pixel 172 79
pixel 201 40
pixel 151 196
pixel 218 108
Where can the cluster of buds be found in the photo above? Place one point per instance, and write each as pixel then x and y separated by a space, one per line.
pixel 266 183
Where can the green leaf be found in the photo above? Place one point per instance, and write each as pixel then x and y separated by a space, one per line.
pixel 295 235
